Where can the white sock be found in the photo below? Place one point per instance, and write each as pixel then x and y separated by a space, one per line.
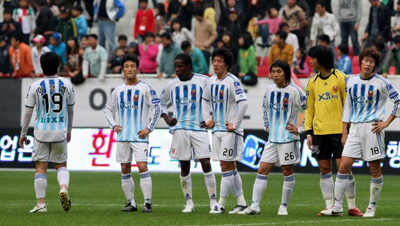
pixel 288 186
pixel 40 185
pixel 342 180
pixel 40 205
pixel 146 186
pixel 326 184
pixel 63 176
pixel 227 182
pixel 186 184
pixel 129 188
pixel 351 192
pixel 260 185
pixel 237 189
pixel 375 191
pixel 211 184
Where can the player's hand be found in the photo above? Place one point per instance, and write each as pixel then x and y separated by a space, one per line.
pixel 143 133
pixel 379 126
pixel 230 127
pixel 267 130
pixel 172 121
pixel 356 26
pixel 309 142
pixel 160 75
pixel 292 128
pixel 118 128
pixel 68 137
pixel 23 141
pixel 210 123
pixel 344 138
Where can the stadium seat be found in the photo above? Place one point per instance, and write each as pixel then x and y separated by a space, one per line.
pixel 263 69
pixel 392 70
pixel 356 65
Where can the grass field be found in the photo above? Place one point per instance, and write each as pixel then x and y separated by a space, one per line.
pixel 97 199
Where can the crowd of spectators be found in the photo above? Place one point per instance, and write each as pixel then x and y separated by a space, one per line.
pixel 287 28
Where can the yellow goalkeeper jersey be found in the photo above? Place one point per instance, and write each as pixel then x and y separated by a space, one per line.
pixel 326 98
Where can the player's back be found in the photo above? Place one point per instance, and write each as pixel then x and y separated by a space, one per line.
pixel 281 106
pixel 51 96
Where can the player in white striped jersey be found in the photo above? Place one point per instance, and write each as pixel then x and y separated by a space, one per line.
pixel 282 103
pixel 190 141
pixel 137 107
pixel 54 98
pixel 225 97
pixel 364 113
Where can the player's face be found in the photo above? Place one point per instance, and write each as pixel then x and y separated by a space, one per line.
pixel 220 68
pixel 278 75
pixel 315 64
pixel 181 70
pixel 130 70
pixel 367 65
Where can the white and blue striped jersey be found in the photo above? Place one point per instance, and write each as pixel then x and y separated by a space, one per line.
pixel 186 100
pixel 366 99
pixel 280 107
pixel 51 96
pixel 224 95
pixel 138 107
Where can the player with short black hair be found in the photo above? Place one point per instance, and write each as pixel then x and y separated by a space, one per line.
pixel 225 96
pixel 326 93
pixel 54 99
pixel 190 140
pixel 138 108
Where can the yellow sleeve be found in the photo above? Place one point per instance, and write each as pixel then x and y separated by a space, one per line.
pixel 310 110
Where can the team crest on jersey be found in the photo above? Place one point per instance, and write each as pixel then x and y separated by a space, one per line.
pixel 193 93
pixel 371 93
pixel 335 88
pixel 221 93
pixel 136 98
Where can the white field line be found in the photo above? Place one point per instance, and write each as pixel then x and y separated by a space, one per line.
pixel 120 204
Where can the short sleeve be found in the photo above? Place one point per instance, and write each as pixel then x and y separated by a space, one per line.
pixel 30 98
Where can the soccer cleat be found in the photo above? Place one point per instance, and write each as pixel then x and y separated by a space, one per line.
pixel 188 209
pixel 282 211
pixel 370 212
pixel 65 202
pixel 218 210
pixel 129 208
pixel 249 211
pixel 237 209
pixel 332 211
pixel 147 208
pixel 38 209
pixel 355 212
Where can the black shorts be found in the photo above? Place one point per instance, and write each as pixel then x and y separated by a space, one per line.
pixel 329 146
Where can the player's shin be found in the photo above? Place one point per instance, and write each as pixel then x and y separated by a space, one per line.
pixel 260 185
pixel 211 187
pixel 227 182
pixel 341 183
pixel 146 186
pixel 40 188
pixel 375 191
pixel 288 186
pixel 129 188
pixel 351 192
pixel 63 177
pixel 237 189
pixel 186 184
pixel 326 184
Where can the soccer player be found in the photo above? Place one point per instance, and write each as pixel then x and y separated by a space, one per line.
pixel 364 113
pixel 326 93
pixel 225 96
pixel 190 141
pixel 138 109
pixel 281 105
pixel 54 99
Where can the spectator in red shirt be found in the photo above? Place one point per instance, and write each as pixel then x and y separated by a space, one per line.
pixel 145 21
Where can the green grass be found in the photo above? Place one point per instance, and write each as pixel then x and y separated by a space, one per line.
pixel 97 199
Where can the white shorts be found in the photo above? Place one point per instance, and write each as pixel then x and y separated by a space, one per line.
pixel 125 150
pixel 50 152
pixel 282 154
pixel 187 145
pixel 227 146
pixel 363 144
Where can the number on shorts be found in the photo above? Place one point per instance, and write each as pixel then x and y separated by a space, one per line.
pixel 289 156
pixel 375 151
pixel 228 152
pixel 146 152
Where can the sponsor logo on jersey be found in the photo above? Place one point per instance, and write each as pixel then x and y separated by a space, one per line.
pixel 183 101
pixel 335 88
pixel 236 83
pixel 362 100
pixel 327 96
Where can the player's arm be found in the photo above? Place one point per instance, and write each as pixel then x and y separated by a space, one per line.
pixel 241 101
pixel 109 113
pixel 29 106
pixel 154 113
pixel 165 99
pixel 394 96
pixel 310 111
pixel 265 108
pixel 346 118
pixel 208 119
pixel 301 101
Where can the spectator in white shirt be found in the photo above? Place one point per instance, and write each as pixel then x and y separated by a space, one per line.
pixel 38 50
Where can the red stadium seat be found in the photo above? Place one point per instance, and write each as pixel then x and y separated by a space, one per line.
pixel 392 70
pixel 263 69
pixel 356 65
